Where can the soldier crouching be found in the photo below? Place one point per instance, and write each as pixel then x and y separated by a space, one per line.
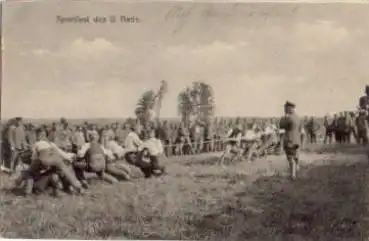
pixel 149 155
pixel 93 157
pixel 48 167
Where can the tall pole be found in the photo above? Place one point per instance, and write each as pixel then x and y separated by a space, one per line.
pixel 160 96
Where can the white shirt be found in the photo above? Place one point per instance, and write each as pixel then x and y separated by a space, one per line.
pixel 132 142
pixel 82 152
pixel 115 148
pixel 249 135
pixel 44 145
pixel 229 133
pixel 154 146
pixel 282 131
pixel 269 130
pixel 258 135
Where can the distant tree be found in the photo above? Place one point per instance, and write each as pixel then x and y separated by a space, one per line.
pixel 185 106
pixel 207 104
pixel 149 104
pixel 196 103
pixel 145 106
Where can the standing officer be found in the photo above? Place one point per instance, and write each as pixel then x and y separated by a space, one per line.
pixel 290 122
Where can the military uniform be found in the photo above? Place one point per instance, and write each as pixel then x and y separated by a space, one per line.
pixel 93 159
pixel 362 127
pixel 291 139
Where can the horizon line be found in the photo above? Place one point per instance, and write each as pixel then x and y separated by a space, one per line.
pixel 121 118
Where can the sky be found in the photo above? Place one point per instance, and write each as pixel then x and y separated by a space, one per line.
pixel 254 55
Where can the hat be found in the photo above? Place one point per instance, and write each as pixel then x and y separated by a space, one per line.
pixel 289 104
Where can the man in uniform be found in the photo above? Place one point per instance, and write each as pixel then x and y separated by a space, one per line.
pixel 329 129
pixel 47 156
pixel 78 138
pixel 164 135
pixel 362 127
pixel 341 128
pixel 234 137
pixel 364 100
pixel 250 143
pixel 17 141
pixel 122 133
pixel 93 157
pixel 290 122
pixel 312 127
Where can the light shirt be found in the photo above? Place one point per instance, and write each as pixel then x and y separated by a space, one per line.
pixel 154 146
pixel 250 135
pixel 79 138
pixel 82 152
pixel 269 130
pixel 229 133
pixel 115 148
pixel 258 135
pixel 111 134
pixel 132 142
pixel 44 145
pixel 197 129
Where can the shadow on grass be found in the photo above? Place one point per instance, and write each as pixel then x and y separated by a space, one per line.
pixel 203 161
pixel 336 148
pixel 325 204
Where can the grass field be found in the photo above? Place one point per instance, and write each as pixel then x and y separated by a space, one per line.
pixel 202 201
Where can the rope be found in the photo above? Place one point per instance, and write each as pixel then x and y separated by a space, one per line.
pixel 223 140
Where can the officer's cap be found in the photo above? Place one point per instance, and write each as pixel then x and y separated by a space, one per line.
pixel 289 104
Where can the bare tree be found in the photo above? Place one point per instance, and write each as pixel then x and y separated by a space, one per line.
pixel 160 96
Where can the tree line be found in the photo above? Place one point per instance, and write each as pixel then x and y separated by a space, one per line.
pixel 196 104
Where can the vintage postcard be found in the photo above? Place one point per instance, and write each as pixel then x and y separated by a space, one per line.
pixel 184 120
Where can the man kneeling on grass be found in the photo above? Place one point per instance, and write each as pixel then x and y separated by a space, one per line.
pixel 250 143
pixel 93 157
pixel 48 167
pixel 233 144
pixel 149 154
pixel 143 154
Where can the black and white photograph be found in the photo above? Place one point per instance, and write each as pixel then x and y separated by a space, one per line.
pixel 184 120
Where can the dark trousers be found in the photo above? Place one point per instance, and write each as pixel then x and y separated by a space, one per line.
pixel 362 136
pixel 312 136
pixel 46 180
pixel 64 171
pixel 338 134
pixel 15 159
pixel 147 168
pixel 328 136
